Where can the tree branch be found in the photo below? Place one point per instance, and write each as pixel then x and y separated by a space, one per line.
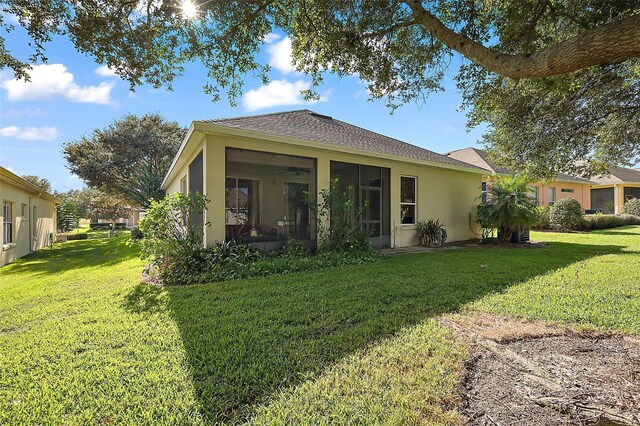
pixel 605 44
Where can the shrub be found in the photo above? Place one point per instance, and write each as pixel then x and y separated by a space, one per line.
pixel 632 207
pixel 337 210
pixel 136 234
pixel 78 236
pixel 566 214
pixel 431 232
pixel 605 221
pixel 509 207
pixel 172 238
pixel 542 218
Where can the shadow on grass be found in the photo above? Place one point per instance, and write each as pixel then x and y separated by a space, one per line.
pixel 74 255
pixel 247 339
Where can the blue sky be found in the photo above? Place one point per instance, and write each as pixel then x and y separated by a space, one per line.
pixel 71 95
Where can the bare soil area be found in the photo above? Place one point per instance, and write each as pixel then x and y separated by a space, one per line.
pixel 533 373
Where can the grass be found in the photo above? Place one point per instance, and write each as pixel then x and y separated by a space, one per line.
pixel 82 341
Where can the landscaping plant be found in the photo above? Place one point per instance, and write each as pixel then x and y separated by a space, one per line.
pixel 632 207
pixel 542 220
pixel 339 219
pixel 509 206
pixel 173 239
pixel 566 214
pixel 594 222
pixel 431 233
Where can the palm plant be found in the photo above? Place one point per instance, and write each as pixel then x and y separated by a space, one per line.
pixel 509 206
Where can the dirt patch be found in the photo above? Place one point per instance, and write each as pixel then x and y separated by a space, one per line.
pixel 533 373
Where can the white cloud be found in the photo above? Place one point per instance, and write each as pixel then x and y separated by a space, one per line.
pixel 15 114
pixel 30 133
pixel 53 81
pixel 277 93
pixel 280 55
pixel 271 38
pixel 105 71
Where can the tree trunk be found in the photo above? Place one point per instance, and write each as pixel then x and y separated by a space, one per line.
pixel 605 44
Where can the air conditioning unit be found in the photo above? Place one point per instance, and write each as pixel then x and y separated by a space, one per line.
pixel 519 236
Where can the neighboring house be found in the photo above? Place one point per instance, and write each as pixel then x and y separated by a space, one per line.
pixel 28 216
pixel 256 171
pixel 545 193
pixel 609 193
pixel 130 221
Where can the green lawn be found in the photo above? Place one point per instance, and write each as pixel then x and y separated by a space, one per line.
pixel 82 341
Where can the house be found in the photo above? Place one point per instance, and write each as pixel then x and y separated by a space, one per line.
pixel 130 221
pixel 256 170
pixel 609 193
pixel 545 193
pixel 28 217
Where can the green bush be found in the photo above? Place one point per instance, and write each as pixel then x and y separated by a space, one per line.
pixel 172 240
pixel 283 262
pixel 136 234
pixel 78 236
pixel 632 207
pixel 542 220
pixel 431 232
pixel 593 222
pixel 566 214
pixel 338 210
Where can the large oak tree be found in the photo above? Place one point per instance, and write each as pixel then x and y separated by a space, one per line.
pixel 568 70
pixel 128 159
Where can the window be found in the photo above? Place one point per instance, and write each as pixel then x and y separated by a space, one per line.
pixel 568 190
pixel 241 201
pixel 7 222
pixel 407 200
pixel 183 185
pixel 552 196
pixel 484 192
pixel 34 224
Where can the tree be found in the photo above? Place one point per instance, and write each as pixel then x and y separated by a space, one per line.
pixel 109 208
pixel 509 206
pixel 67 216
pixel 41 183
pixel 519 49
pixel 81 198
pixel 128 159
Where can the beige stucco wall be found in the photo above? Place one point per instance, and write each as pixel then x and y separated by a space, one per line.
pixel 29 233
pixel 448 195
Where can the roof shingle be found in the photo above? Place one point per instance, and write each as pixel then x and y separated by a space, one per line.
pixel 480 157
pixel 310 126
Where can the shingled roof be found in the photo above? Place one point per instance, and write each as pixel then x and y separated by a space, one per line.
pixel 480 158
pixel 307 125
pixel 619 175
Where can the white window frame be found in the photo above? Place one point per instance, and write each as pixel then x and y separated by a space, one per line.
pixel 10 220
pixel 551 190
pixel 415 200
